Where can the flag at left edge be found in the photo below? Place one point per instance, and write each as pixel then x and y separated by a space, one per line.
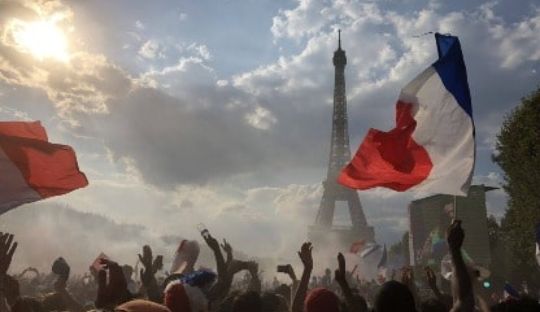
pixel 32 168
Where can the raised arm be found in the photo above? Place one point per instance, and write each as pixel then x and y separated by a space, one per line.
pixel 229 251
pixel 147 274
pixel 407 278
pixel 340 276
pixel 461 279
pixel 307 260
pixel 341 279
pixel 220 261
pixel 112 290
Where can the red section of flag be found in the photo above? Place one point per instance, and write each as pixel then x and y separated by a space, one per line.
pixel 389 159
pixel 357 246
pixel 49 169
pixel 29 130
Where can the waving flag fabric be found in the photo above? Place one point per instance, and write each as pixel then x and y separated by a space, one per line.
pixel 31 168
pixel 432 147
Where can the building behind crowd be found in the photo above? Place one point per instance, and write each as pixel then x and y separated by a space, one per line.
pixel 430 216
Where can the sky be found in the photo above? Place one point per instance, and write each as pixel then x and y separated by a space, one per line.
pixel 219 111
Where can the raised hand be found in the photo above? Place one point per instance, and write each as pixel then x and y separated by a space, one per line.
pixel 151 265
pixel 432 282
pixel 227 247
pixel 455 235
pixel 229 251
pixel 7 249
pixel 113 291
pixel 211 242
pixel 340 273
pixel 305 255
pixel 431 278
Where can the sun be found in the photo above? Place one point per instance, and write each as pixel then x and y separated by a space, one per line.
pixel 42 39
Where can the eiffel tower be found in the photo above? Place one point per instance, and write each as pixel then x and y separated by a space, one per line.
pixel 340 155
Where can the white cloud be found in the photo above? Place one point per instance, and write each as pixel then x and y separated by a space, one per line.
pixel 222 83
pixel 201 50
pixel 139 25
pixel 151 49
pixel 261 118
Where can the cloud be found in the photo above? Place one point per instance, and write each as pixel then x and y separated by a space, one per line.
pixel 139 25
pixel 261 118
pixel 201 50
pixel 151 50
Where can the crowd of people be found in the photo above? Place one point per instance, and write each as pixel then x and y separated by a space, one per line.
pixel 110 286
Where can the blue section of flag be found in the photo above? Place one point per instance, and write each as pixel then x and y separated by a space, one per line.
pixel 451 68
pixel 538 233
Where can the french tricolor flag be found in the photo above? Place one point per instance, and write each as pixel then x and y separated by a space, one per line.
pixel 432 147
pixel 32 168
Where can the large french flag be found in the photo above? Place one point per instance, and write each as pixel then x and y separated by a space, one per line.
pixel 432 147
pixel 31 168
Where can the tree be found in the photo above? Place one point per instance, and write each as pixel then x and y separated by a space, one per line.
pixel 499 252
pixel 518 154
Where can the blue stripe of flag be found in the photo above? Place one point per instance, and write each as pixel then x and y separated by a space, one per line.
pixel 451 68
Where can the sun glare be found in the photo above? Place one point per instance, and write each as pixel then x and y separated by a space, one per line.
pixel 43 39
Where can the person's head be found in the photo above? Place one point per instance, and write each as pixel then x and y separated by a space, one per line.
pixel 247 302
pixel 433 305
pixel 139 305
pixel 360 302
pixel 394 296
pixel 273 302
pixel 321 300
pixel 179 297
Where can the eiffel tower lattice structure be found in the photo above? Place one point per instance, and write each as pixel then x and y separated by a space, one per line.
pixel 324 231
